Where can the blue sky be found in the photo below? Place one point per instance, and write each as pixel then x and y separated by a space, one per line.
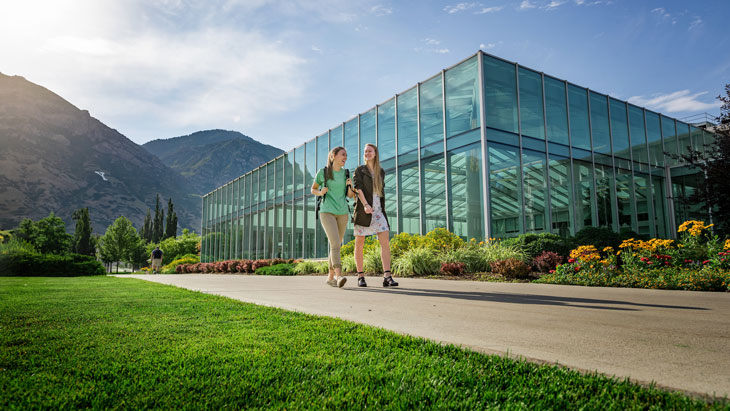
pixel 285 71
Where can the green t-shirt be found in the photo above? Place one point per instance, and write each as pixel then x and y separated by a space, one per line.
pixel 334 202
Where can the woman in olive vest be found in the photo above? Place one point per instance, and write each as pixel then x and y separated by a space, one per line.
pixel 370 217
pixel 334 210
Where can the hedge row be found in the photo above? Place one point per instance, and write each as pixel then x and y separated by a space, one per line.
pixel 49 265
pixel 230 266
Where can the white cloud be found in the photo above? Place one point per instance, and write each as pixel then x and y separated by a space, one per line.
pixel 490 46
pixel 316 49
pixel 678 101
pixel 430 41
pixel 695 23
pixel 486 10
pixel 380 10
pixel 525 5
pixel 460 7
pixel 553 5
pixel 661 11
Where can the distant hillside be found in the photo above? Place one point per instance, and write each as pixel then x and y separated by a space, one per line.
pixel 209 159
pixel 55 157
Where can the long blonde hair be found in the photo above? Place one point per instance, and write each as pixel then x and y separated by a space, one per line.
pixel 377 170
pixel 331 159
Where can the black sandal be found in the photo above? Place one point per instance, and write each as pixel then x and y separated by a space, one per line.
pixel 361 280
pixel 388 281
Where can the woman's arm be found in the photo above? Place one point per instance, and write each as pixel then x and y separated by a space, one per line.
pixel 316 191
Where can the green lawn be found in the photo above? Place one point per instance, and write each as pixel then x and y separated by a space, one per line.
pixel 102 342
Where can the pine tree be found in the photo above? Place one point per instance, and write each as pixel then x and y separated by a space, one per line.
pixel 82 242
pixel 157 226
pixel 171 222
pixel 146 233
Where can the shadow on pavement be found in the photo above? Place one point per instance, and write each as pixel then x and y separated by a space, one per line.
pixel 524 299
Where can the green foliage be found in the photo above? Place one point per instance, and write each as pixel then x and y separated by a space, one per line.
pixel 61 342
pixel 535 244
pixel 185 259
pixel 118 241
pixel 158 222
pixel 372 262
pixel 48 235
pixel 278 269
pixel 171 221
pixel 441 240
pixel 371 243
pixel 17 245
pixel 600 237
pixel 417 262
pixel 176 247
pixel 472 257
pixel 311 267
pixel 511 268
pixel 83 241
pixel 497 250
pixel 22 263
pixel 348 264
pixel 402 242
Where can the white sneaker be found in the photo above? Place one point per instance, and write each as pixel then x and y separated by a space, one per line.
pixel 341 281
pixel 332 282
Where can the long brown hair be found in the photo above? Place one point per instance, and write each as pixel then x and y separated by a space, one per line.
pixel 377 171
pixel 331 159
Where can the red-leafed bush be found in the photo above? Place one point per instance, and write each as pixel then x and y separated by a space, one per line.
pixel 546 261
pixel 453 268
pixel 260 263
pixel 511 268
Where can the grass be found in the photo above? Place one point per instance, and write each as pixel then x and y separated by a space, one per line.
pixel 102 342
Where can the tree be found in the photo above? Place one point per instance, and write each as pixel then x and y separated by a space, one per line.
pixel 48 235
pixel 118 240
pixel 137 255
pixel 83 241
pixel 157 226
pixel 146 233
pixel 714 162
pixel 171 222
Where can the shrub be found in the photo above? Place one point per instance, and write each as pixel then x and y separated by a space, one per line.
pixel 372 262
pixel 546 261
pixel 348 264
pixel 497 250
pixel 260 263
pixel 452 268
pixel 600 237
pixel 441 240
pixel 186 259
pixel 511 268
pixel 417 261
pixel 311 267
pixel 17 245
pixel 276 269
pixel 49 265
pixel 371 243
pixel 535 244
pixel 403 242
pixel 472 257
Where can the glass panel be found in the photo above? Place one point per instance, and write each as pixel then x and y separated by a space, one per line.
pixel 604 195
pixel 255 180
pixel 556 111
pixel 270 182
pixel 407 121
pixel 462 98
pixel 685 183
pixel 432 111
pixel 298 224
pixel 683 137
pixel 310 166
pixel 535 189
pixel 336 138
pixel 271 238
pixel 367 132
pixel 641 187
pixel 579 127
pixel 638 137
pixel 288 175
pixel 391 200
pixel 531 114
pixel 625 200
pixel 619 130
pixel 466 191
pixel 299 172
pixel 660 215
pixel 599 123
pixel 323 149
pixel 351 144
pixel 309 201
pixel 409 215
pixel 697 138
pixel 669 134
pixel 654 135
pixel 434 192
pixel 504 190
pixel 584 195
pixel 500 92
pixel 386 130
pixel 280 179
pixel 560 196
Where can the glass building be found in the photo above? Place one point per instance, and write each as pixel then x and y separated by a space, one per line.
pixel 487 149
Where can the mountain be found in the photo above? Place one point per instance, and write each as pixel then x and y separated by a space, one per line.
pixel 55 157
pixel 211 158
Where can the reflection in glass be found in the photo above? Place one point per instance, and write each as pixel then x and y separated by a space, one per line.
pixel 409 216
pixel 556 111
pixel 534 191
pixel 560 196
pixel 407 121
pixel 462 98
pixel 465 190
pixel 504 190
pixel 585 195
pixel 531 114
pixel 434 192
pixel 599 123
pixel 386 130
pixel 619 130
pixel 432 111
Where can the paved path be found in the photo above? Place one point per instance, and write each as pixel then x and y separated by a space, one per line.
pixel 679 339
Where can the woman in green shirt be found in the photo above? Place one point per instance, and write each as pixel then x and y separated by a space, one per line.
pixel 334 211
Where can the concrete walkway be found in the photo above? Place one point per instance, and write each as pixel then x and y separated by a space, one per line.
pixel 679 339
